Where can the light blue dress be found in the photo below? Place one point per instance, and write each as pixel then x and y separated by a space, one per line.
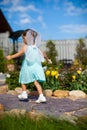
pixel 31 69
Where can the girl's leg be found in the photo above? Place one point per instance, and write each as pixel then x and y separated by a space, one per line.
pixel 23 87
pixel 41 96
pixel 38 87
pixel 24 94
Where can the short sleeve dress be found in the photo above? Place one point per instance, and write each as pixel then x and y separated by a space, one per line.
pixel 31 69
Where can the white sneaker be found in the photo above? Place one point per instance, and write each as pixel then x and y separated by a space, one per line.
pixel 41 99
pixel 23 96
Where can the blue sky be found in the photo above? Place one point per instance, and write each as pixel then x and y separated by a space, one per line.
pixel 53 19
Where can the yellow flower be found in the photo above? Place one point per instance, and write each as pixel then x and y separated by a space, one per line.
pixel 79 71
pixel 53 73
pixel 47 73
pixel 74 77
pixel 56 76
pixel 75 62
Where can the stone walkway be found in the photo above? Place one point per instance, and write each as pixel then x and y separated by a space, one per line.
pixel 53 106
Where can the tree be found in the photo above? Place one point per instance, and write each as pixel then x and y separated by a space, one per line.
pixel 2 61
pixel 81 52
pixel 51 52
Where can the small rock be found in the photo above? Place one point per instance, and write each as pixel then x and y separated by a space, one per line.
pixel 11 67
pixel 69 118
pixel 61 93
pixel 48 92
pixel 3 89
pixel 81 113
pixel 18 90
pixel 16 112
pixel 35 116
pixel 12 92
pixel 76 94
pixel 1 107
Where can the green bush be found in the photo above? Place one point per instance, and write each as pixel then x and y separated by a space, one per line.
pixel 81 52
pixel 51 52
pixel 52 79
pixel 56 78
pixel 12 80
pixel 75 79
pixel 2 61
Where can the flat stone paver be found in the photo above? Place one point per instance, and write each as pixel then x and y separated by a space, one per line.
pixel 53 106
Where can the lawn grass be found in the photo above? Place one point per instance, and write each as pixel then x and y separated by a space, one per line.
pixel 26 123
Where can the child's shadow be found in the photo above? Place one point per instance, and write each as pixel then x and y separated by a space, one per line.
pixel 33 96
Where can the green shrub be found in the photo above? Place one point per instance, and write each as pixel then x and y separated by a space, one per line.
pixel 75 79
pixel 56 78
pixel 81 52
pixel 12 80
pixel 52 79
pixel 2 61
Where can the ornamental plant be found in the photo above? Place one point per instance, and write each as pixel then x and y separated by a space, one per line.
pixel 12 80
pixel 77 80
pixel 81 52
pixel 74 79
pixel 52 79
pixel 2 61
pixel 80 80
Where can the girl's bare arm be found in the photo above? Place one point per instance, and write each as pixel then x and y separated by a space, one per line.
pixel 46 57
pixel 21 52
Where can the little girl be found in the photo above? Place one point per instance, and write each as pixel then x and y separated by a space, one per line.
pixel 31 70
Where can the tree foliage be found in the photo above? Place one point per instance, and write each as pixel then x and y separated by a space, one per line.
pixel 52 52
pixel 81 52
pixel 2 61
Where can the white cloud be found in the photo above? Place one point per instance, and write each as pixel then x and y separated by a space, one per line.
pixel 10 2
pixel 33 8
pixel 13 7
pixel 23 15
pixel 18 6
pixel 21 8
pixel 4 2
pixel 25 18
pixel 74 28
pixel 25 21
pixel 40 19
pixel 71 9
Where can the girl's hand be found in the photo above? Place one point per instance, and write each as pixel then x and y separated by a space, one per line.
pixel 49 61
pixel 8 57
